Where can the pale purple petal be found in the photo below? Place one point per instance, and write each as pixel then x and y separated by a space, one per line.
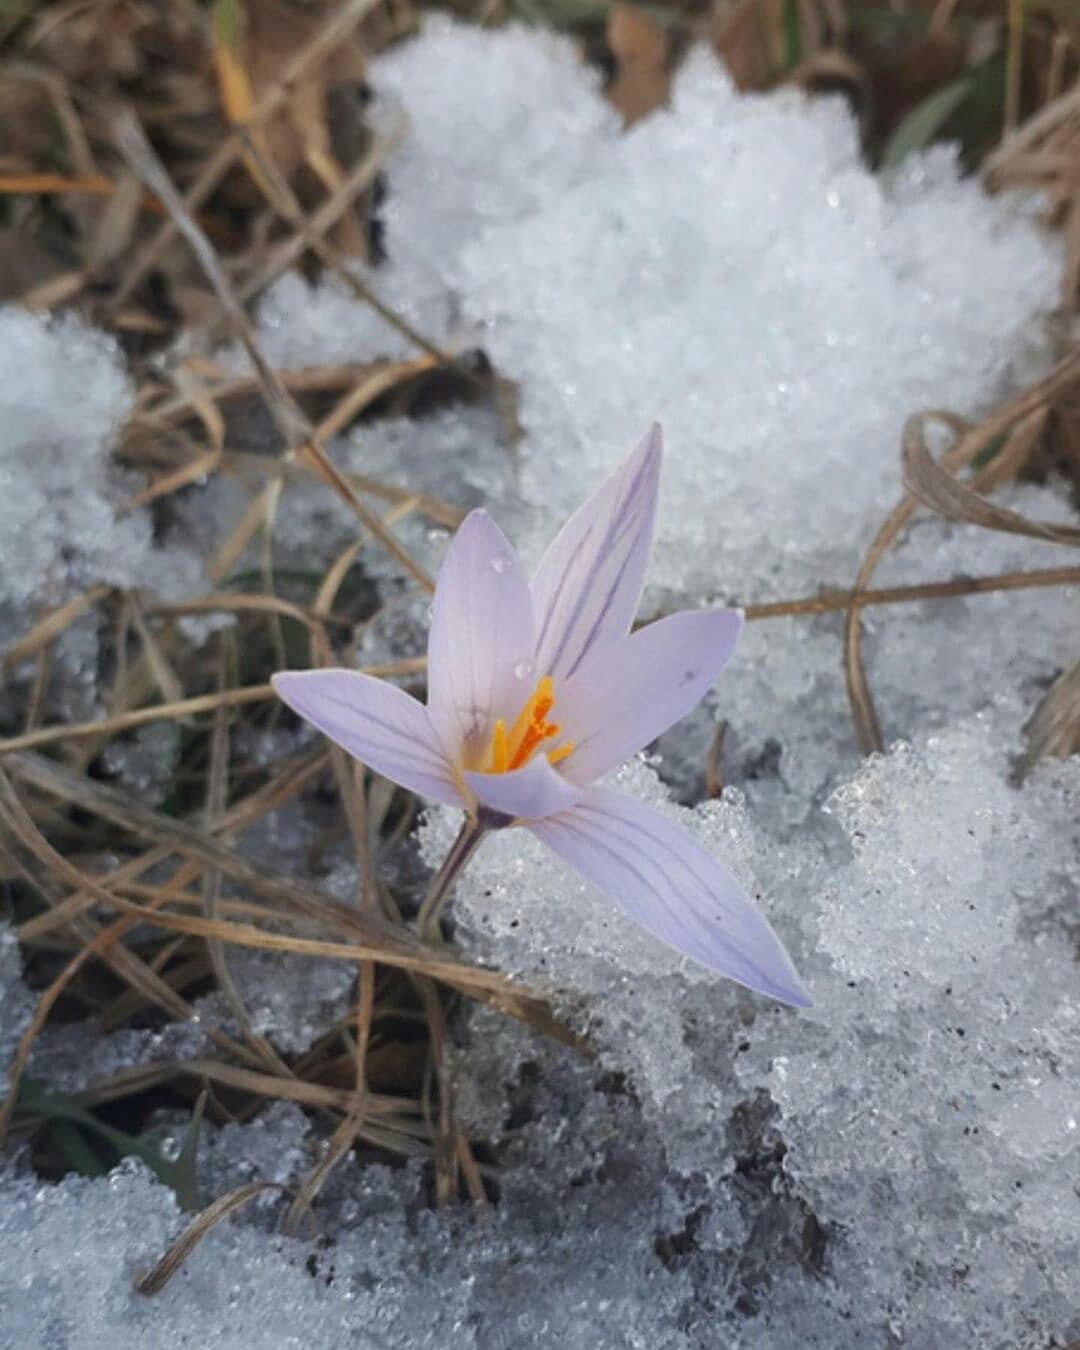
pixel 627 693
pixel 532 792
pixel 377 723
pixel 481 642
pixel 668 883
pixel 588 586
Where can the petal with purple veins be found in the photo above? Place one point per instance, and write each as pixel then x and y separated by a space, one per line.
pixel 528 793
pixel 588 586
pixel 377 723
pixel 629 692
pixel 673 888
pixel 481 642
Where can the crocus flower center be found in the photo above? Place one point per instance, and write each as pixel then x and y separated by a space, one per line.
pixel 513 749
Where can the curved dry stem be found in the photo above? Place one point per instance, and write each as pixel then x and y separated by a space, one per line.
pixel 930 483
pixel 969 443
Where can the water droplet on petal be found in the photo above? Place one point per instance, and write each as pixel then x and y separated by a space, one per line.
pixel 523 670
pixel 500 564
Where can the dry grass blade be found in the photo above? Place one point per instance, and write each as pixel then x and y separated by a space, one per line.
pixel 359 178
pixel 376 938
pixel 198 468
pixel 379 937
pixel 1043 155
pixel 22 832
pixel 158 664
pixel 103 944
pixel 115 228
pixel 335 31
pixel 293 426
pixel 242 533
pixel 55 86
pixel 863 713
pixel 337 1146
pixel 216 803
pixel 350 780
pixel 373 386
pixel 829 602
pixel 1059 113
pixel 380 947
pixel 39 927
pixel 714 767
pixel 1055 726
pixel 970 442
pixel 400 1113
pixel 157 1278
pixel 159 411
pixel 933 485
pixel 140 156
pixel 242 814
pixel 137 717
pixel 52 625
pixel 452 1154
pixel 217 601
pixel 333 579
pixel 45 1005
pixel 371 383
pixel 1015 455
pixel 282 198
pixel 641 51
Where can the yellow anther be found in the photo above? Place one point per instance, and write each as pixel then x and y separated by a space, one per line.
pixel 557 756
pixel 500 754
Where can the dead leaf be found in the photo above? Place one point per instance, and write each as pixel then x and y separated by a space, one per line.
pixel 744 40
pixel 642 75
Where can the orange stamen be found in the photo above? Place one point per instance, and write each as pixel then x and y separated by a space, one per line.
pixel 539 731
pixel 513 749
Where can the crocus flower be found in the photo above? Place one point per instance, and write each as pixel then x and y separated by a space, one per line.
pixel 536 690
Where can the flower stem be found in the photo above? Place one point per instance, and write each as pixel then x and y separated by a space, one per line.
pixel 442 883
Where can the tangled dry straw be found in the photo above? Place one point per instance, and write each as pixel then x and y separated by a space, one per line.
pixel 158 900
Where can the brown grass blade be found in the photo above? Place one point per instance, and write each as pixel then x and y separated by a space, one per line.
pixel 293 426
pixel 969 444
pixel 216 803
pixel 376 939
pixel 340 1142
pixel 52 625
pixel 933 486
pixel 829 602
pixel 1055 726
pixel 137 717
pixel 359 178
pixel 155 1279
pixel 284 201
